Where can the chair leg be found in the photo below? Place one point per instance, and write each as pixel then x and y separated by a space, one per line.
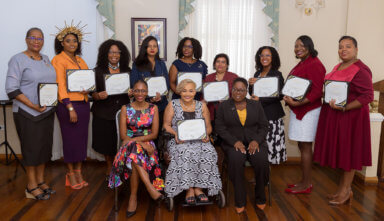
pixel 116 199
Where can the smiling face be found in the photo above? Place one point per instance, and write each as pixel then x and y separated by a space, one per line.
pixel 114 55
pixel 35 41
pixel 70 44
pixel 300 50
pixel 221 65
pixel 188 93
pixel 239 91
pixel 140 91
pixel 152 48
pixel 188 48
pixel 347 50
pixel 266 58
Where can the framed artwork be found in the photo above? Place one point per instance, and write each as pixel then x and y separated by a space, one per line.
pixel 144 27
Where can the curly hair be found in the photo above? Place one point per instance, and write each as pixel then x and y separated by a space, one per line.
pixel 59 47
pixel 308 44
pixel 275 64
pixel 197 50
pixel 102 57
pixel 141 61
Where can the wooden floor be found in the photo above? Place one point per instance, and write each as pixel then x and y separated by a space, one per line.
pixel 96 201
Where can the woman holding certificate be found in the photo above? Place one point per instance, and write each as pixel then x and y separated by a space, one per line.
pixel 193 165
pixel 243 127
pixel 34 122
pixel 304 113
pixel 267 65
pixel 189 52
pixel 73 108
pixel 113 58
pixel 137 157
pixel 343 138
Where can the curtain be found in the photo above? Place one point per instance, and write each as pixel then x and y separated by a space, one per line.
pixel 185 9
pixel 106 8
pixel 237 28
pixel 272 10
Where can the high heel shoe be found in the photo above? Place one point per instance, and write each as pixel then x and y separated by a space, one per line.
pixel 84 183
pixel 336 202
pixel 76 186
pixel 47 190
pixel 307 190
pixel 331 196
pixel 41 196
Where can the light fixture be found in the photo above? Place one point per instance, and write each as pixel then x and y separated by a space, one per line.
pixel 308 6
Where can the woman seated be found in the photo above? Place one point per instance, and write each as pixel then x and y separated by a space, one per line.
pixel 137 157
pixel 193 165
pixel 242 126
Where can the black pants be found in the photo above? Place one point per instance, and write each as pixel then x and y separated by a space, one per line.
pixel 236 166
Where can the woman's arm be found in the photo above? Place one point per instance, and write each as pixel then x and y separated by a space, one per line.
pixel 207 119
pixel 173 78
pixel 167 120
pixel 123 126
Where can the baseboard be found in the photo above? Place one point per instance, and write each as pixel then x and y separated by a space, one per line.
pixel 293 160
pixel 2 156
pixel 366 180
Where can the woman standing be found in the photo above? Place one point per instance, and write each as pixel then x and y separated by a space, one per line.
pixel 73 108
pixel 304 114
pixel 267 65
pixel 189 52
pixel 113 58
pixel 343 138
pixel 34 124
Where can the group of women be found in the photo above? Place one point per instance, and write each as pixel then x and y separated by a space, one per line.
pixel 249 129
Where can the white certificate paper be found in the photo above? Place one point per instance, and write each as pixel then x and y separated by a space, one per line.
pixel 296 87
pixel 197 77
pixel 80 80
pixel 337 90
pixel 266 87
pixel 156 84
pixel 215 91
pixel 194 129
pixel 117 83
pixel 47 94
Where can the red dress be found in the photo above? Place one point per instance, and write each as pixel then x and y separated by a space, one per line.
pixel 343 139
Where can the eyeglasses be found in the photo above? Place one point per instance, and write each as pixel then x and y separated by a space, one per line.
pixel 35 39
pixel 138 91
pixel 265 55
pixel 239 90
pixel 188 46
pixel 114 52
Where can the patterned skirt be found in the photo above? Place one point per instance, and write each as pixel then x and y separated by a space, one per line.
pixel 134 152
pixel 277 152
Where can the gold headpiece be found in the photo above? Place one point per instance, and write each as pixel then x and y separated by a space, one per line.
pixel 72 29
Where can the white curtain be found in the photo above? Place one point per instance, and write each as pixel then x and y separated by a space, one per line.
pixel 235 27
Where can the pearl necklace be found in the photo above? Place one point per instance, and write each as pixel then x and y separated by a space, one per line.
pixel 113 67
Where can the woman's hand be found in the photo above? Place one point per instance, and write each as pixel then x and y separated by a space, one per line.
pixel 126 140
pixel 334 106
pixel 239 146
pixel 73 116
pixel 177 140
pixel 252 81
pixel 84 92
pixel 291 102
pixel 102 95
pixel 157 98
pixel 37 107
pixel 148 147
pixel 205 139
pixel 253 147
pixel 254 97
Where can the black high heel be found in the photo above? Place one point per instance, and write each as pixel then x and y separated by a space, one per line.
pixel 129 214
pixel 47 190
pixel 41 196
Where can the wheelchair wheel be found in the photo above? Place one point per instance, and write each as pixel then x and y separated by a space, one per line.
pixel 170 204
pixel 220 199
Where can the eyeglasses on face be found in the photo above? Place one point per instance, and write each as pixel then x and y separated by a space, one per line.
pixel 239 90
pixel 35 39
pixel 114 52
pixel 188 46
pixel 265 55
pixel 137 91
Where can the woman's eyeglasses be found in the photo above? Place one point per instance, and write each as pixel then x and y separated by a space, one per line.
pixel 35 39
pixel 239 90
pixel 114 52
pixel 137 91
pixel 188 46
pixel 265 55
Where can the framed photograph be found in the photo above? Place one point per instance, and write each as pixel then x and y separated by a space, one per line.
pixel 216 91
pixel 266 87
pixel 47 94
pixel 189 130
pixel 80 80
pixel 197 77
pixel 296 87
pixel 144 27
pixel 337 90
pixel 116 83
pixel 157 84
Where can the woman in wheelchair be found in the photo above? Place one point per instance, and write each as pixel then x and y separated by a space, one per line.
pixel 193 165
pixel 137 157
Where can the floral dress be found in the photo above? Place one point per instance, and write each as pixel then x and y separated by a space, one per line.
pixel 139 123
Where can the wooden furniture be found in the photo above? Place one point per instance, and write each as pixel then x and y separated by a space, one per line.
pixel 379 86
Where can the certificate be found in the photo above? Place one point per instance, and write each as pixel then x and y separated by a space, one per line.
pixel 337 90
pixel 197 77
pixel 156 84
pixel 80 80
pixel 215 91
pixel 116 83
pixel 47 94
pixel 194 129
pixel 266 87
pixel 296 87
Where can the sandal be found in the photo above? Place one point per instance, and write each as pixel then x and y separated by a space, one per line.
pixel 84 183
pixel 47 190
pixel 190 200
pixel 30 195
pixel 75 186
pixel 202 198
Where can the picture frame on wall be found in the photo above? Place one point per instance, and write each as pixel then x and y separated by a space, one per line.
pixel 144 27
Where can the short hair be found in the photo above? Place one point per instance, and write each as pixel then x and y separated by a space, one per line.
pixel 221 55
pixel 275 64
pixel 197 49
pixel 242 80
pixel 140 81
pixel 33 29
pixel 59 48
pixel 181 85
pixel 102 57
pixel 308 44
pixel 349 38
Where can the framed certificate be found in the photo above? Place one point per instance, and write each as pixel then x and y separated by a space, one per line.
pixel 47 93
pixel 116 83
pixel 216 91
pixel 197 77
pixel 266 87
pixel 80 80
pixel 296 87
pixel 188 130
pixel 337 90
pixel 156 84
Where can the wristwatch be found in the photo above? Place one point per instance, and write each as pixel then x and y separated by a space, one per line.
pixel 70 109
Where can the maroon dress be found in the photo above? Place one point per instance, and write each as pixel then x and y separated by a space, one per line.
pixel 343 139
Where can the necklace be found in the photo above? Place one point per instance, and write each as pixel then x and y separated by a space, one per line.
pixel 190 107
pixel 38 58
pixel 113 67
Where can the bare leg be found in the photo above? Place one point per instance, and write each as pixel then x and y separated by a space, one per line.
pixel 79 176
pixel 134 181
pixel 145 178
pixel 306 165
pixel 32 181
pixel 346 189
pixel 40 176
pixel 71 175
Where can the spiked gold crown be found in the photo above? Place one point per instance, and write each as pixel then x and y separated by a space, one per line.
pixel 71 29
